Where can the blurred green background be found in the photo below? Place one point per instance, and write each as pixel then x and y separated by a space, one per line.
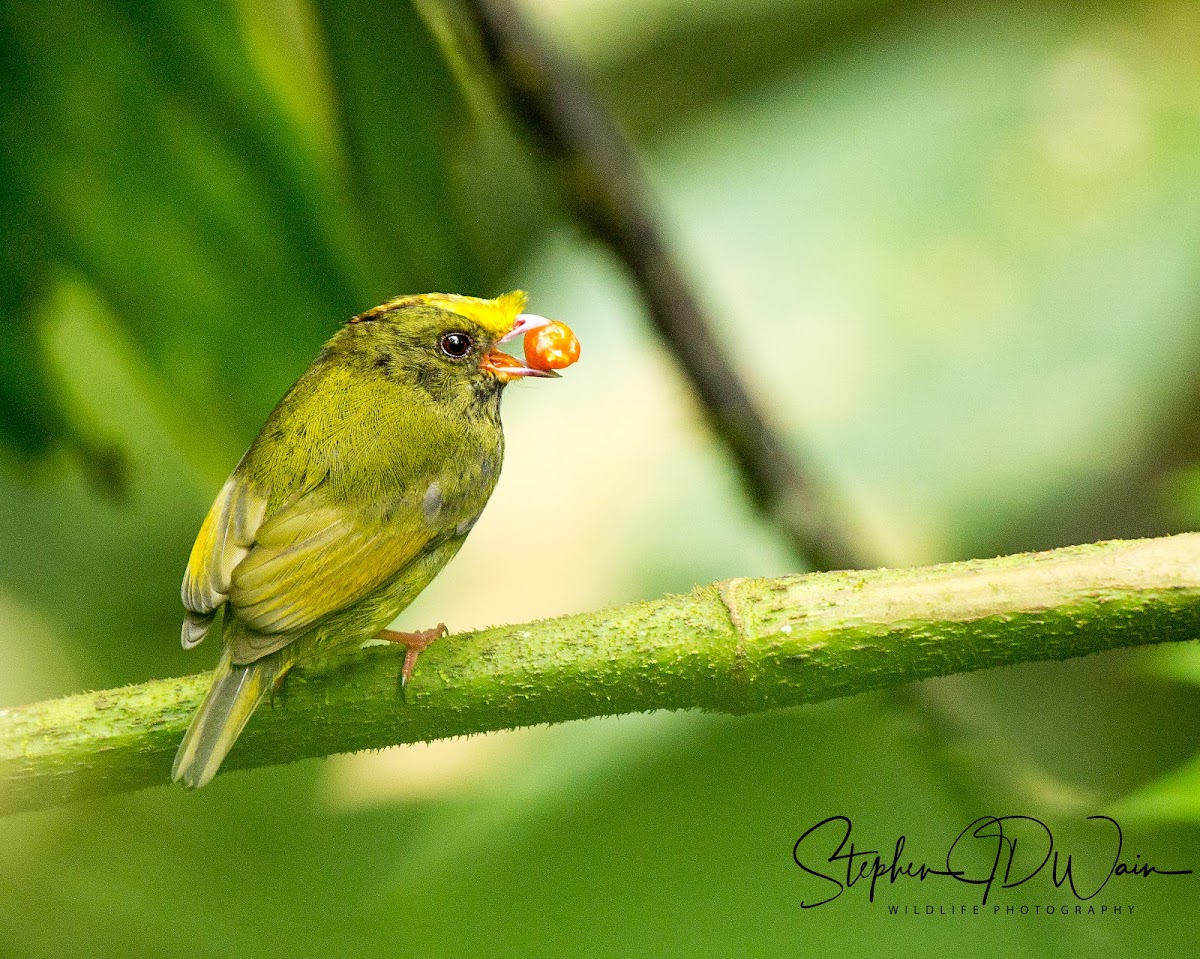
pixel 953 247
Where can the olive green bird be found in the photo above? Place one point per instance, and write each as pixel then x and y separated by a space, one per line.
pixel 360 487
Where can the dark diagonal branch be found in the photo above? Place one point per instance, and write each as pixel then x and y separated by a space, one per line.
pixel 604 186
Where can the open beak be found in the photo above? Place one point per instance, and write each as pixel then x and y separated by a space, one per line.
pixel 507 368
pixel 524 323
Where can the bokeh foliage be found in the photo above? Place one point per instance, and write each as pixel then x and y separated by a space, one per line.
pixel 954 248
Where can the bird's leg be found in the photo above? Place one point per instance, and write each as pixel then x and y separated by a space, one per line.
pixel 414 644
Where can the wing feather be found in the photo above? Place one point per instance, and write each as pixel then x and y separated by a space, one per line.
pixel 311 559
pixel 223 541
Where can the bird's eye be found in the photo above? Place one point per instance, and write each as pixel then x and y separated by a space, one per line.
pixel 456 345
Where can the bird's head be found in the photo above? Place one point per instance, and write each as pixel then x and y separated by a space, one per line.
pixel 446 343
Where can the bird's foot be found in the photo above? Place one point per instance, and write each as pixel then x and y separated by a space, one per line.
pixel 414 644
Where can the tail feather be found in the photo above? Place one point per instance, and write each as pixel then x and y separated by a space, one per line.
pixel 235 693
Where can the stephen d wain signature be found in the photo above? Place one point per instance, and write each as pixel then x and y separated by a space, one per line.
pixel 828 852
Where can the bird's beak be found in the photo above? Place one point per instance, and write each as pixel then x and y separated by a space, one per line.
pixel 523 324
pixel 507 368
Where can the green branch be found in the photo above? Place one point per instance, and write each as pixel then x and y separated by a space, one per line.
pixel 736 647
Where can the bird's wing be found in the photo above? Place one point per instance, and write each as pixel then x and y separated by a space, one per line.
pixel 282 574
pixel 311 558
pixel 225 538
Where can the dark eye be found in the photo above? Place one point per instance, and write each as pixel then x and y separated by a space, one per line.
pixel 456 345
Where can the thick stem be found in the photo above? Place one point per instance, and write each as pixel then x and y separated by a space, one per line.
pixel 739 646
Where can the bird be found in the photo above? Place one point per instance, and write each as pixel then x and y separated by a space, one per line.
pixel 360 487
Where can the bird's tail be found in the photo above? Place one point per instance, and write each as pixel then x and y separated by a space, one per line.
pixel 231 700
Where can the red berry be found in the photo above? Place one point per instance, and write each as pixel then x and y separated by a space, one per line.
pixel 551 347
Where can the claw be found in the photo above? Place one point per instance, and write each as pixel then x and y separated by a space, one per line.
pixel 414 644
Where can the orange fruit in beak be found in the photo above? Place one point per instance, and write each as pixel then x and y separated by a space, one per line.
pixel 551 347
